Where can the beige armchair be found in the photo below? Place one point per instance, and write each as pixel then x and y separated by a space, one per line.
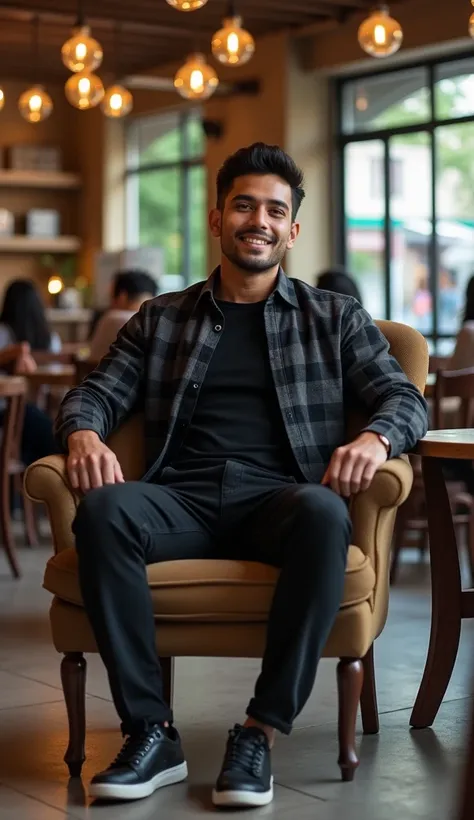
pixel 219 608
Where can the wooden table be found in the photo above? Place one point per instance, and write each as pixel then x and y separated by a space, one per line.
pixel 450 603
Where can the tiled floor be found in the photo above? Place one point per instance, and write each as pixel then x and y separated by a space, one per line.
pixel 403 774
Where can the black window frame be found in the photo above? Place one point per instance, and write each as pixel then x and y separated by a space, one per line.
pixel 428 126
pixel 183 164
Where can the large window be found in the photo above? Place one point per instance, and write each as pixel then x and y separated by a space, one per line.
pixel 407 216
pixel 167 191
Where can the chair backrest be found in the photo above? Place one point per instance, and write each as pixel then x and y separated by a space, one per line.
pixel 454 384
pixel 12 391
pixel 407 345
pixel 410 350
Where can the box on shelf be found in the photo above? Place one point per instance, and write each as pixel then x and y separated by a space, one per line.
pixel 34 158
pixel 42 222
pixel 7 222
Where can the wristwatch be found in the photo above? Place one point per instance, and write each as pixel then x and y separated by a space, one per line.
pixel 385 442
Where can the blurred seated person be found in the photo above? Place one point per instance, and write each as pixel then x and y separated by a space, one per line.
pixel 463 355
pixel 130 289
pixel 337 280
pixel 23 329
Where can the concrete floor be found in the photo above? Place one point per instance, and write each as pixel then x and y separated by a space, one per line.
pixel 403 774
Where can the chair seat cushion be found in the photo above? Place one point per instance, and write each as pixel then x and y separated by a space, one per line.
pixel 210 590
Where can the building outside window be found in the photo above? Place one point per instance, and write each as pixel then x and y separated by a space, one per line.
pixel 167 191
pixel 406 142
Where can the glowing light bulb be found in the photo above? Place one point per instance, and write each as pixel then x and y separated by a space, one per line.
pixel 55 285
pixel 81 52
pixel 117 102
pixel 196 79
pixel 84 90
pixel 35 105
pixel 232 44
pixel 380 35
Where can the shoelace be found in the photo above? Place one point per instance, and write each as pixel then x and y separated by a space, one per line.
pixel 245 752
pixel 134 749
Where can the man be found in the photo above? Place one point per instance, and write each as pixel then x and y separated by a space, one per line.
pixel 243 380
pixel 130 289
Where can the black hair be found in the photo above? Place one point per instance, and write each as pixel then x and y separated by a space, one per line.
pixel 135 283
pixel 469 304
pixel 260 158
pixel 338 281
pixel 24 313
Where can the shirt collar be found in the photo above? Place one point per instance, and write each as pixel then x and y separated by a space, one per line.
pixel 284 287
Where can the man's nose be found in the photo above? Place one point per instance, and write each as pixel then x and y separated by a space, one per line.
pixel 259 217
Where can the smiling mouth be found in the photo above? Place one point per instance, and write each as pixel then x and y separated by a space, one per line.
pixel 255 241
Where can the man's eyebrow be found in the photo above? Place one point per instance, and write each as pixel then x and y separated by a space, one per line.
pixel 280 203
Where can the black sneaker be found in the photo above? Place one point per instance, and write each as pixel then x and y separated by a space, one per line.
pixel 145 763
pixel 246 777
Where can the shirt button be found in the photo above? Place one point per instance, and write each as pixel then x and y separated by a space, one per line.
pixel 195 386
pixel 218 328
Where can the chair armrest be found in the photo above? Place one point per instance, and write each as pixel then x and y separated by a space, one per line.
pixel 373 517
pixel 46 481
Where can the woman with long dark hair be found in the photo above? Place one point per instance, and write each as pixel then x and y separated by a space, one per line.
pixel 23 329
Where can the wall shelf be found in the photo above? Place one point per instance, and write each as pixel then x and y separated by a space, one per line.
pixel 39 179
pixel 39 244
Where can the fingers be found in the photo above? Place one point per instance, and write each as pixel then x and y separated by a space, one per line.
pixel 94 470
pixel 350 471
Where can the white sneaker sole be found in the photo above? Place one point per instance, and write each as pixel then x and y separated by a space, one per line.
pixel 113 791
pixel 241 798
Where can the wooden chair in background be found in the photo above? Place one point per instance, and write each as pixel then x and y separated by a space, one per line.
pixel 412 515
pixel 13 392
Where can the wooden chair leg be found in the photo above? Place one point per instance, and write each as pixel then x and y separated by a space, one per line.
pixel 73 679
pixel 6 525
pixel 368 700
pixel 350 677
pixel 167 669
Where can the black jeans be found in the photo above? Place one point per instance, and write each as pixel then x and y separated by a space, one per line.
pixel 231 511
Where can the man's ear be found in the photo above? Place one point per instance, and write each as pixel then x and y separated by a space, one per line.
pixel 215 222
pixel 295 229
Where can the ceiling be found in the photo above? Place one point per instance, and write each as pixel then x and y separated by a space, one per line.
pixel 150 33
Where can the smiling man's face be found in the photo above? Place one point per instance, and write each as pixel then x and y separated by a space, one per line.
pixel 255 225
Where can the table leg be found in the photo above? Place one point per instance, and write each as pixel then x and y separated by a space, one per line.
pixel 446 597
pixel 466 808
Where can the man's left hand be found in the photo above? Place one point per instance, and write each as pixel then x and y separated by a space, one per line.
pixel 353 466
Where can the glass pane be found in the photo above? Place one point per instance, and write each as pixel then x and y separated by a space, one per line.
pixel 411 231
pixel 455 219
pixel 197 223
pixel 454 89
pixel 194 135
pixel 159 196
pixel 364 218
pixel 386 101
pixel 154 139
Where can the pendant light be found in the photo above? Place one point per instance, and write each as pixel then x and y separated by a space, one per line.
pixel 196 79
pixel 117 101
pixel 35 104
pixel 81 52
pixel 2 98
pixel 84 90
pixel 232 44
pixel 187 5
pixel 380 35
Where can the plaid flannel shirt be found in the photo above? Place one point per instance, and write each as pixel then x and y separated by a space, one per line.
pixel 325 351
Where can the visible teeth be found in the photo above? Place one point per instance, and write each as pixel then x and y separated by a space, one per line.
pixel 252 240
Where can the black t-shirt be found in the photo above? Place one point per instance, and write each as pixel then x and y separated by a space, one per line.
pixel 237 416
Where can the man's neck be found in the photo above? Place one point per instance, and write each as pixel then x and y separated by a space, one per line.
pixel 236 285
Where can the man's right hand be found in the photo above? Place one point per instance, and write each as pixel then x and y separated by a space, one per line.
pixel 91 463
